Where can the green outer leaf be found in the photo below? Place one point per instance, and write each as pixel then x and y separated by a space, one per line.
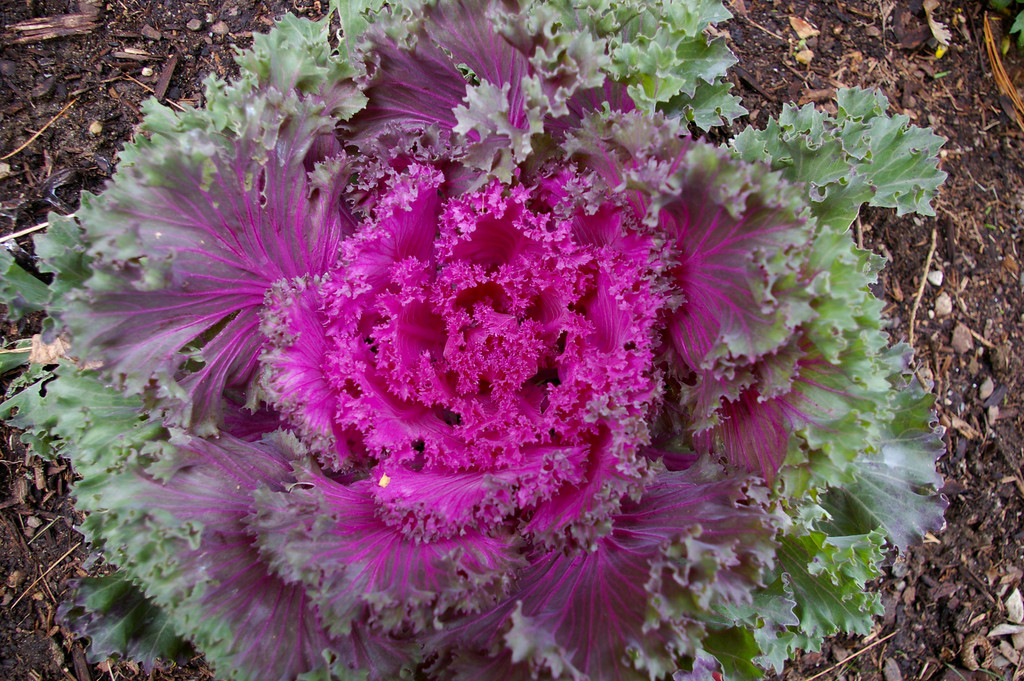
pixel 660 52
pixel 827 578
pixel 1018 27
pixel 61 251
pixel 298 56
pixel 894 489
pixel 710 105
pixel 816 590
pixel 859 156
pixel 20 291
pixel 354 16
pixel 69 412
pixel 15 357
pixel 768 618
pixel 119 619
pixel 295 58
pixel 734 648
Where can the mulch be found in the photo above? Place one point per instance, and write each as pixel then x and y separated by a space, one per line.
pixel 73 76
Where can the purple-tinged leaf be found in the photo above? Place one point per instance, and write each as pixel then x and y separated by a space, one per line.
pixel 119 619
pixel 363 571
pixel 251 623
pixel 633 606
pixel 188 243
pixel 413 76
pixel 411 83
pixel 733 251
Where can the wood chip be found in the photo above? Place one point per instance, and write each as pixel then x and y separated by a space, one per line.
pixel 48 28
pixel 134 55
pixel 81 666
pixel 165 78
pixel 822 95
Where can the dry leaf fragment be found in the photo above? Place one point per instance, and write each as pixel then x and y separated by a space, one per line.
pixel 50 353
pixel 1006 630
pixel 1015 607
pixel 804 29
pixel 939 30
pixel 47 353
pixel 804 56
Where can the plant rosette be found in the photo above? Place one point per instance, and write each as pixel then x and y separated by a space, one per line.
pixel 442 349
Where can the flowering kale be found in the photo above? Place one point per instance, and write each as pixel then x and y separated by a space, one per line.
pixel 446 351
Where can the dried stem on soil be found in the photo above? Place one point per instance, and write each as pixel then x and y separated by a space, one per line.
pixel 920 289
pixel 860 652
pixel 48 570
pixel 40 131
pixel 27 230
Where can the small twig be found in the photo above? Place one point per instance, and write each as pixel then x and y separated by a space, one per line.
pixel 151 91
pixel 837 665
pixel 982 587
pixel 27 230
pixel 920 289
pixel 860 234
pixel 768 31
pixel 49 591
pixel 979 185
pixel 981 339
pixel 40 532
pixel 48 570
pixel 1014 468
pixel 750 80
pixel 40 131
pixel 799 75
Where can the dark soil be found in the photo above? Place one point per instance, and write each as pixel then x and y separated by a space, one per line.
pixel 86 90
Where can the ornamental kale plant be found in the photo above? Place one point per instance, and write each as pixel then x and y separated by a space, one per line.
pixel 439 349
